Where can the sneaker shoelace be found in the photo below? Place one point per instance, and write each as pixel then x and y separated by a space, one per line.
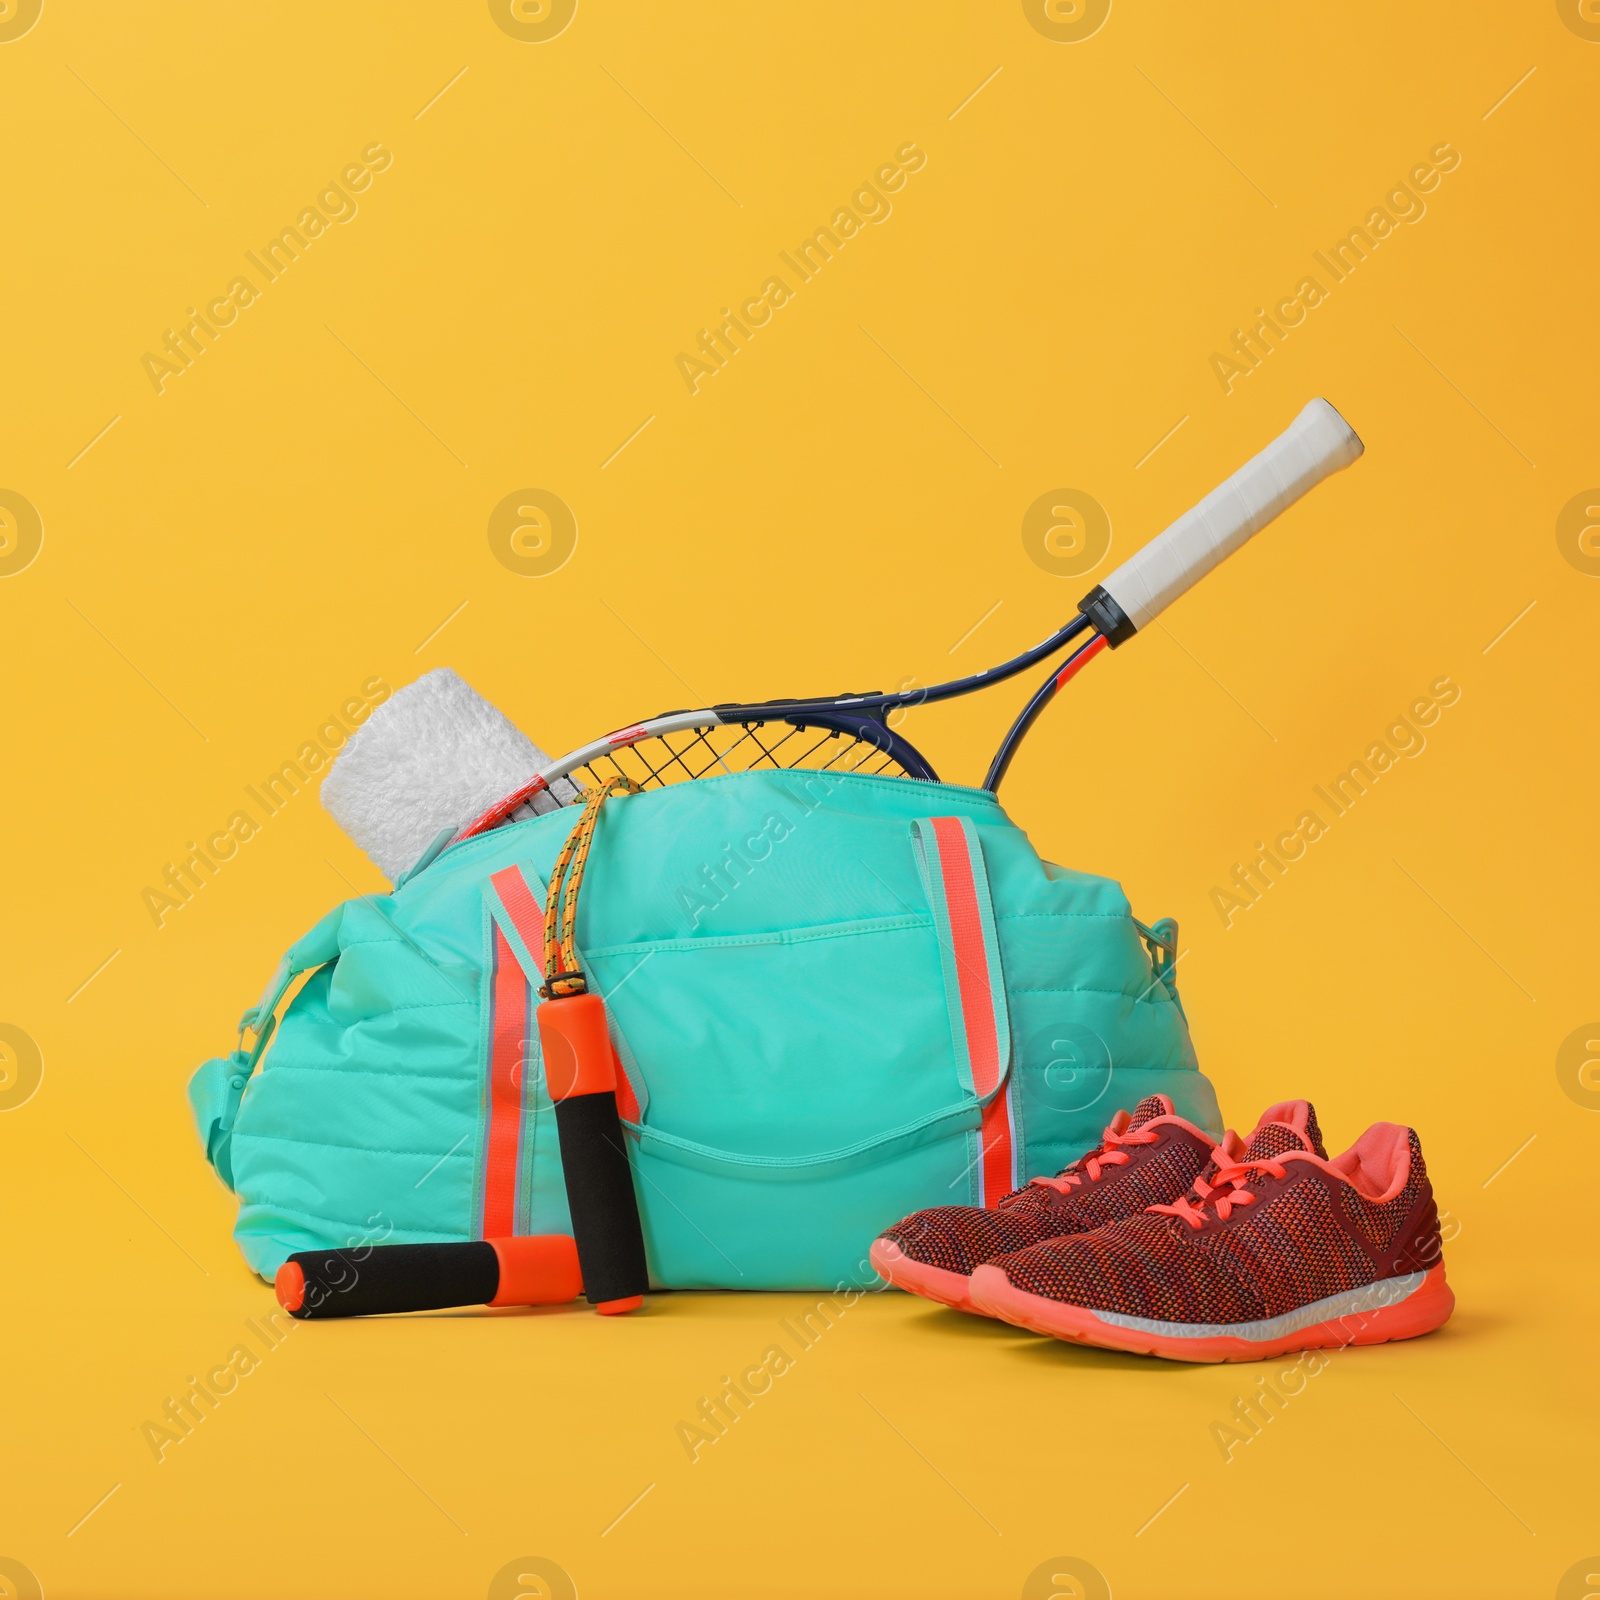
pixel 1237 1174
pixel 1110 1154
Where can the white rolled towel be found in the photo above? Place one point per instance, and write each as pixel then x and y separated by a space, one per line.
pixel 433 757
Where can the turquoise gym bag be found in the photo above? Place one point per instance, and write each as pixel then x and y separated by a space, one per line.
pixel 834 1000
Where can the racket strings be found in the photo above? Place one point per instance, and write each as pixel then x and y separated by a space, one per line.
pixel 737 747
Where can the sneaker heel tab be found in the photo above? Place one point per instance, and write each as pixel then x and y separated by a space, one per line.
pixel 1419 1167
pixel 1384 1159
pixel 1300 1115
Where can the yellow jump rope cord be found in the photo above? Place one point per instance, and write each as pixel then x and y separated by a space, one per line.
pixel 561 974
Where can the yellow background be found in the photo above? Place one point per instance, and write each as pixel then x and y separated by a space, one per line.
pixel 305 506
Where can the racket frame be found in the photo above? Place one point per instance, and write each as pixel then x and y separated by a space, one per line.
pixel 1317 444
pixel 860 715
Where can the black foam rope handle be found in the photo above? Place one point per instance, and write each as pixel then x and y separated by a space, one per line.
pixel 605 1212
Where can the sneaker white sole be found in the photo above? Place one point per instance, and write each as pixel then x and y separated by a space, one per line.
pixel 1392 1308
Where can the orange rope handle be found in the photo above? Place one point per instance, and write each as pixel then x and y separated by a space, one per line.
pixel 562 976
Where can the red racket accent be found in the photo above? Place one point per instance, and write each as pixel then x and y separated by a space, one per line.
pixel 501 809
pixel 1080 661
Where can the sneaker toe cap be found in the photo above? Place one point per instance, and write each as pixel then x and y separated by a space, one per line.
pixel 959 1238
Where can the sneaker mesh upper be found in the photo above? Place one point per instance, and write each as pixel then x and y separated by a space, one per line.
pixel 1380 1223
pixel 1142 1267
pixel 1314 1132
pixel 1291 1250
pixel 959 1238
pixel 1274 1138
pixel 1161 1177
pixel 1279 1254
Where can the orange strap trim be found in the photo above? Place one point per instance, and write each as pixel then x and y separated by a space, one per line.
pixel 525 912
pixel 527 917
pixel 996 1171
pixel 507 1051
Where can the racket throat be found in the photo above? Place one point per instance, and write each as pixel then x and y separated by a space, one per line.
pixel 1111 622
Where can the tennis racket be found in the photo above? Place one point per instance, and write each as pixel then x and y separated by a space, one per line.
pixel 854 732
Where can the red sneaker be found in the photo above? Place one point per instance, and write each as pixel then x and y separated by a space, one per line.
pixel 1289 1251
pixel 1145 1155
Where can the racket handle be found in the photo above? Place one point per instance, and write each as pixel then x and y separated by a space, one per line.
pixel 581 1076
pixel 378 1280
pixel 1315 445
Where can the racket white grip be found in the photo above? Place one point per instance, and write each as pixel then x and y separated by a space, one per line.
pixel 1315 445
